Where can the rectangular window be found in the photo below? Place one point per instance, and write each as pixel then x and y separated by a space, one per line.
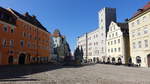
pixel 138 21
pixel 133 34
pixel 145 30
pixel 108 43
pixel 108 50
pixel 119 49
pixel 118 40
pixel 29 45
pixel 139 33
pixel 114 41
pixel 11 43
pixel 115 50
pixel 111 42
pixel 4 43
pixel 134 46
pixel 116 34
pixel 112 50
pixel 22 43
pixel 139 44
pixel 132 24
pixel 146 43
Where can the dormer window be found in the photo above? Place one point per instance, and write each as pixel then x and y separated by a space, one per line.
pixel 1 15
pixel 5 28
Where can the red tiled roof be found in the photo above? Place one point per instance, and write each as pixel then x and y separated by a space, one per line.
pixel 145 8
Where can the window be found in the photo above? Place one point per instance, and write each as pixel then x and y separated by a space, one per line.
pixel 29 45
pixel 111 49
pixel 115 49
pixel 111 42
pixel 133 34
pixel 134 46
pixel 119 49
pixel 5 28
pixel 102 49
pixel 22 43
pixel 145 30
pixel 139 33
pixel 139 44
pixel 138 21
pixel 112 35
pixel 109 36
pixel 12 29
pixel 116 34
pixel 114 41
pixel 11 43
pixel 144 18
pixel 24 34
pixel 108 50
pixel 1 15
pixel 132 24
pixel 4 44
pixel 118 40
pixel 108 43
pixel 146 43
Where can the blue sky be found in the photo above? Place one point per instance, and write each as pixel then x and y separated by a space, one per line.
pixel 72 17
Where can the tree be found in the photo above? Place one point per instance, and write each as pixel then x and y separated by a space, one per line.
pixel 78 54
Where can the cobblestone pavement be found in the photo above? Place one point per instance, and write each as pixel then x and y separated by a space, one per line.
pixel 91 74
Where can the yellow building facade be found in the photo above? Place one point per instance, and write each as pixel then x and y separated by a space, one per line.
pixel 139 29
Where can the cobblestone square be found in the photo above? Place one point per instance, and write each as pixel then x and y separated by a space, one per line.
pixel 89 74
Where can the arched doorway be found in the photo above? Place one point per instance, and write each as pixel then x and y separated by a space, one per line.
pixel 108 60
pixel 138 60
pixel 113 60
pixel 119 61
pixel 22 58
pixel 148 60
pixel 130 60
pixel 10 59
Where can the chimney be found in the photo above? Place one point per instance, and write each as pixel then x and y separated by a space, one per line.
pixel 140 10
pixel 33 16
pixel 26 14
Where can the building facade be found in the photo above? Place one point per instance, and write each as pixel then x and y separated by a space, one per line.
pixel 94 42
pixel 139 30
pixel 23 39
pixel 61 47
pixel 118 50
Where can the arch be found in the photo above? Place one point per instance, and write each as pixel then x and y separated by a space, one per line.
pixel 148 60
pixel 130 60
pixel 119 60
pixel 22 58
pixel 138 59
pixel 10 59
pixel 94 59
pixel 104 59
pixel 108 60
pixel 113 60
pixel 97 60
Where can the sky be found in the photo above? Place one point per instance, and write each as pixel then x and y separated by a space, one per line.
pixel 72 17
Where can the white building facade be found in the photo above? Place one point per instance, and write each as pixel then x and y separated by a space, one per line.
pixel 94 42
pixel 118 43
pixel 139 29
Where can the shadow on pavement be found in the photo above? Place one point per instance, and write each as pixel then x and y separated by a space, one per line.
pixel 17 72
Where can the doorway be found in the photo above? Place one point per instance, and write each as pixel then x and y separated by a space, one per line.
pixel 22 58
